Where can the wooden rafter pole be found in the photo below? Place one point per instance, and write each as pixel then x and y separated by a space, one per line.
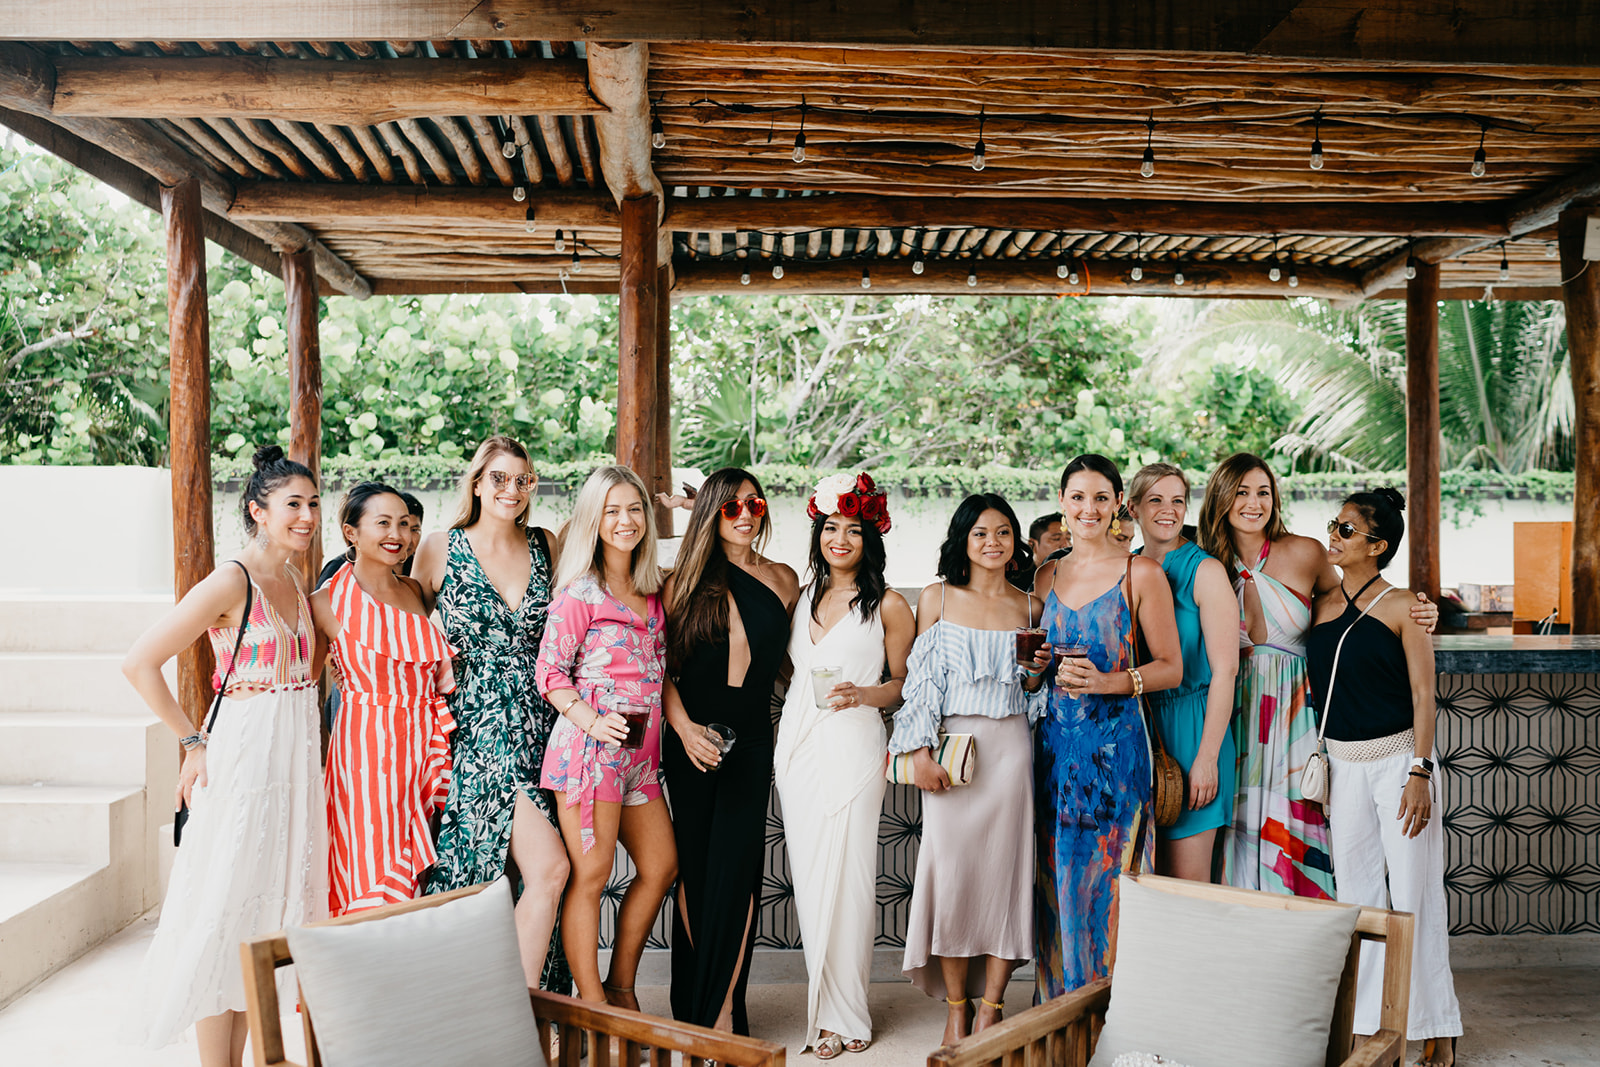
pixel 189 429
pixel 619 76
pixel 333 205
pixel 1581 292
pixel 663 401
pixel 1422 428
pixel 638 336
pixel 342 93
pixel 305 383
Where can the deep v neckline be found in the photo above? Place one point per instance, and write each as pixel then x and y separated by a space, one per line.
pixel 840 621
pixel 299 615
pixel 514 612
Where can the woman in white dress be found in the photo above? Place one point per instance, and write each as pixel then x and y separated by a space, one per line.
pixel 828 762
pixel 255 848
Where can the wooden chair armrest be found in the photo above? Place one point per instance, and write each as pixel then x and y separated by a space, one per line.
pixel 1381 1049
pixel 696 1043
pixel 1017 1031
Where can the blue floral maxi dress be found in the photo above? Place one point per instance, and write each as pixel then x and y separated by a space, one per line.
pixel 502 724
pixel 1091 788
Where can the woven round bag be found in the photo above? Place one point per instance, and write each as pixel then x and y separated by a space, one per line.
pixel 1167 793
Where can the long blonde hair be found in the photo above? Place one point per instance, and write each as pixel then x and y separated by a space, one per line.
pixel 582 551
pixel 1215 535
pixel 470 507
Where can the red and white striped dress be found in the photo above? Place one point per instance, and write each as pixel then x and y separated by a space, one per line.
pixel 389 762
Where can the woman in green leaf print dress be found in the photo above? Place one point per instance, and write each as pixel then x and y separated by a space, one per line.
pixel 489 576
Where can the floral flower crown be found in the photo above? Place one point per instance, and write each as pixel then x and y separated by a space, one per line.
pixel 851 495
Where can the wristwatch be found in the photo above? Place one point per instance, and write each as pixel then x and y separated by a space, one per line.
pixel 192 741
pixel 1424 762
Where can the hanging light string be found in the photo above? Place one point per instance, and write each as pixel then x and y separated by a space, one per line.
pixel 658 132
pixel 1316 140
pixel 1147 165
pixel 799 153
pixel 978 154
pixel 1480 158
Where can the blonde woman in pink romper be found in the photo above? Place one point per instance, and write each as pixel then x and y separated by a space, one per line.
pixel 604 649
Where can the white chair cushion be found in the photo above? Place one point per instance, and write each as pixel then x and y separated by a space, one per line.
pixel 435 986
pixel 1223 985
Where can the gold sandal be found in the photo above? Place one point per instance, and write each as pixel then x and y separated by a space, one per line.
pixel 826 1048
pixel 858 1044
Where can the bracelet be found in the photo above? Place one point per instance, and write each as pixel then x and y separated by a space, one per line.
pixel 1420 774
pixel 193 741
pixel 1138 681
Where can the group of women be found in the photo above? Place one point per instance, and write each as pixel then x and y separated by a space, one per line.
pixel 531 724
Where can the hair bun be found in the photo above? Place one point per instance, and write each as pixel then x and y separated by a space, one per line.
pixel 266 456
pixel 1391 496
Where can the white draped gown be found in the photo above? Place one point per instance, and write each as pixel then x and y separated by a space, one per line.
pixel 828 766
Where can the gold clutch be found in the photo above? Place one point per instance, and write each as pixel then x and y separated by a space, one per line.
pixel 956 753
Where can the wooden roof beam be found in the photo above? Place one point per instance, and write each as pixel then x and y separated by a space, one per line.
pixel 619 76
pixel 342 93
pixel 1015 277
pixel 1193 218
pixel 331 205
pixel 1552 32
pixel 1528 215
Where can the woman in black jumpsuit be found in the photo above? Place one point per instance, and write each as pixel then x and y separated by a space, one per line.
pixel 719 812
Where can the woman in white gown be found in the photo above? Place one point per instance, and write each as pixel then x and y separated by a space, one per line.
pixel 829 760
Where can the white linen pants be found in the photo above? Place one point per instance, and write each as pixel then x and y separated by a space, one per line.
pixel 1375 864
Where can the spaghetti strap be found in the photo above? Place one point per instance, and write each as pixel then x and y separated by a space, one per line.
pixel 941 598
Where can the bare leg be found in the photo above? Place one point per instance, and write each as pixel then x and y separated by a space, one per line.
pixel 214 1035
pixel 241 1033
pixel 646 832
pixel 580 926
pixel 954 970
pixel 537 850
pixel 725 1017
pixel 1187 857
pixel 996 976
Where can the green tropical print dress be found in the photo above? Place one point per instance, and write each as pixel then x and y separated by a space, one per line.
pixel 502 723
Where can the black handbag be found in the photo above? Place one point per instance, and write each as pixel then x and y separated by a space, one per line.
pixel 181 816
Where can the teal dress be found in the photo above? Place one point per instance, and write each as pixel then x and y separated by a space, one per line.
pixel 1180 714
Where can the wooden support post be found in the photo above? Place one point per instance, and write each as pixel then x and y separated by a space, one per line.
pixel 305 382
pixel 663 404
pixel 636 361
pixel 1582 295
pixel 189 432
pixel 1422 427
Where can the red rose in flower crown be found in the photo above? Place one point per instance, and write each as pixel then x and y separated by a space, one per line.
pixel 852 496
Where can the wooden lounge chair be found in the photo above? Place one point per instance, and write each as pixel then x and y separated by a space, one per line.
pixel 611 1032
pixel 1062 1032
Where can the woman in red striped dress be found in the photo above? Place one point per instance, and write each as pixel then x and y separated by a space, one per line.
pixel 388 767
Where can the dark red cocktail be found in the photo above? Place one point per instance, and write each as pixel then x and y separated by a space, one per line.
pixel 637 716
pixel 1030 639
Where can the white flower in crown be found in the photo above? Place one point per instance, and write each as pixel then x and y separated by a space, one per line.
pixel 830 489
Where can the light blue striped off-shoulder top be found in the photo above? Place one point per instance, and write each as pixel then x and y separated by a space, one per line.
pixel 957 670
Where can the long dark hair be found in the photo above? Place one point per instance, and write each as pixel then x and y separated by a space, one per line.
pixel 954 566
pixel 353 508
pixel 698 612
pixel 272 469
pixel 870 582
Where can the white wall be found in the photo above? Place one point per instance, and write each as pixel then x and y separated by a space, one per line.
pixel 86 529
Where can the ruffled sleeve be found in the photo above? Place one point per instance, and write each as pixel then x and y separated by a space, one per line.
pixel 916 724
pixel 568 620
pixel 1036 702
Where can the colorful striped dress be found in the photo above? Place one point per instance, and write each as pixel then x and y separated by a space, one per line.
pixel 1277 841
pixel 389 762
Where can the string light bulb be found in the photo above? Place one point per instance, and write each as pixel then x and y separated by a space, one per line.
pixel 1411 268
pixel 1072 277
pixel 1480 158
pixel 978 160
pixel 577 263
pixel 799 153
pixel 1177 276
pixel 744 276
pixel 1294 279
pixel 658 133
pixel 1316 140
pixel 1505 264
pixel 866 278
pixel 972 277
pixel 519 193
pixel 1137 273
pixel 777 271
pixel 528 222
pixel 509 149
pixel 1061 269
pixel 1147 165
pixel 917 266
pixel 1273 273
pixel 561 242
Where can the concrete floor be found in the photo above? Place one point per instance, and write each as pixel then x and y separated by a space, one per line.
pixel 1525 1014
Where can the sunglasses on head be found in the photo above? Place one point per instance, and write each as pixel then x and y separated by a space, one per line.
pixel 755 505
pixel 524 482
pixel 1347 530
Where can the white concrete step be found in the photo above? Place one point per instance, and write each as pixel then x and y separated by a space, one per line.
pixel 70 682
pixel 51 913
pixel 84 748
pixel 78 824
pixel 76 622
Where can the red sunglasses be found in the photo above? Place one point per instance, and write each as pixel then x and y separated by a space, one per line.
pixel 755 505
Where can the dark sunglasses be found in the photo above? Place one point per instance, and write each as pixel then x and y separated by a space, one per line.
pixel 1347 530
pixel 753 504
pixel 525 482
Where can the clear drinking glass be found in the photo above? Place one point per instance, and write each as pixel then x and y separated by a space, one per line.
pixel 721 736
pixel 824 679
